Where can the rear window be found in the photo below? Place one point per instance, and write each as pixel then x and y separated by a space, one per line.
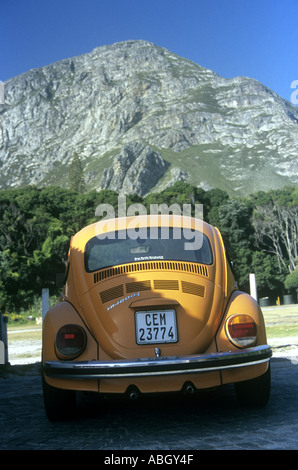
pixel 120 247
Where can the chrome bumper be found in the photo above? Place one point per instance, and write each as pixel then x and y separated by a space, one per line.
pixel 158 366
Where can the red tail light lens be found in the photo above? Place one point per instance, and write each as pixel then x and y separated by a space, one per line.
pixel 70 341
pixel 242 330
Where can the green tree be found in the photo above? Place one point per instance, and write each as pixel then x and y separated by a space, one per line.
pixel 76 177
pixel 180 193
pixel 212 201
pixel 291 281
pixel 33 244
pixel 234 223
pixel 36 225
pixel 275 221
pixel 269 279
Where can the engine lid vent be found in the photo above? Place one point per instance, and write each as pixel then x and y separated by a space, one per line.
pixel 166 284
pixel 194 289
pixel 200 269
pixel 138 286
pixel 111 294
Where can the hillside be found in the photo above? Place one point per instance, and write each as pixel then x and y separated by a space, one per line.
pixel 140 118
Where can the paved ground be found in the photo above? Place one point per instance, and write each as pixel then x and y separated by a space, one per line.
pixel 209 422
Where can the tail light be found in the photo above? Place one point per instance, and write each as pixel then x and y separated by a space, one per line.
pixel 70 341
pixel 242 330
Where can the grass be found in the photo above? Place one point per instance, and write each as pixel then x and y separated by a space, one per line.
pixel 213 164
pixel 281 322
pixel 22 332
pixel 281 331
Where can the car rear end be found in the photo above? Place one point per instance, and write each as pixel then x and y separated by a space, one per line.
pixel 142 313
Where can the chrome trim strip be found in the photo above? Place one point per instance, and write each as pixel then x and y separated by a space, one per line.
pixel 157 366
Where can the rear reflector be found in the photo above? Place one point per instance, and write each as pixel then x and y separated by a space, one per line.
pixel 242 330
pixel 69 336
pixel 70 341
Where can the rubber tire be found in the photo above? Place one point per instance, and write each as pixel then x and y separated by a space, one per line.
pixel 255 392
pixel 60 405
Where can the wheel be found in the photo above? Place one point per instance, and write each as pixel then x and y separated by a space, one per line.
pixel 60 405
pixel 254 392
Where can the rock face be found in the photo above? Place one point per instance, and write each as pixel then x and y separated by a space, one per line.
pixel 136 170
pixel 141 117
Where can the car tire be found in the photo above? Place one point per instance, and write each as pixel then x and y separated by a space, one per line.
pixel 60 405
pixel 254 392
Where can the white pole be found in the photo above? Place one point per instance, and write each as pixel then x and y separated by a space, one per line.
pixel 253 286
pixel 2 353
pixel 45 302
pixel 3 340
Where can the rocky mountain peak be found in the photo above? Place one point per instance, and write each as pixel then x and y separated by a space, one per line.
pixel 141 117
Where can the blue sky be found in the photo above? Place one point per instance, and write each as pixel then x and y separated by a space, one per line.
pixel 257 39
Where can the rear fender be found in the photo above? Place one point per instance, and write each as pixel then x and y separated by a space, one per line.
pixel 62 314
pixel 241 302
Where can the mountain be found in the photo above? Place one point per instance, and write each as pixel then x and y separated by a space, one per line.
pixel 140 118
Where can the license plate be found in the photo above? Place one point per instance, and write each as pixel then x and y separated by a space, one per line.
pixel 156 326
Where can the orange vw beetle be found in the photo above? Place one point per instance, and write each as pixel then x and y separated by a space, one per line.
pixel 150 304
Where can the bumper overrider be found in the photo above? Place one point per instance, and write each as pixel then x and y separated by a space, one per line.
pixel 158 366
